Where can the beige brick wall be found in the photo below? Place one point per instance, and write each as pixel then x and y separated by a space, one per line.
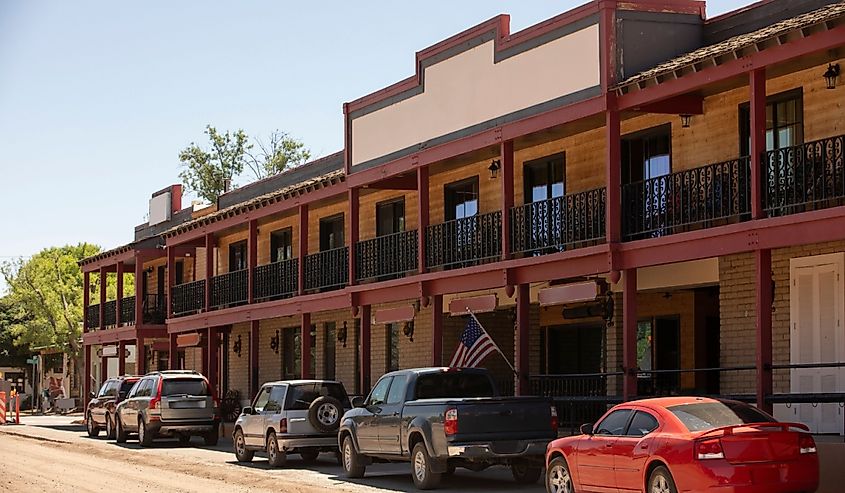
pixel 238 371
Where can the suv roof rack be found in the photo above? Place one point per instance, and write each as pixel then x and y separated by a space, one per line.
pixel 175 372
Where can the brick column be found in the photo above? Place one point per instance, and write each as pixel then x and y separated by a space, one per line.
pixel 523 328
pixel 763 325
pixel 629 333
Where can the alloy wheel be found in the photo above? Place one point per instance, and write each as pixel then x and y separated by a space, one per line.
pixel 240 446
pixel 559 480
pixel 660 485
pixel 419 466
pixel 347 456
pixel 327 414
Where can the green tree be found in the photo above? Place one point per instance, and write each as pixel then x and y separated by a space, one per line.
pixel 278 154
pixel 11 314
pixel 207 171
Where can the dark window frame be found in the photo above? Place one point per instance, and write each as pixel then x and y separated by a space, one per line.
pixel 664 129
pixel 238 255
pixel 449 199
pixel 397 224
pixel 744 119
pixel 279 236
pixel 325 238
pixel 549 162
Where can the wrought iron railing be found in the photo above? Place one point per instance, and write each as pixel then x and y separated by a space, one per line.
pixel 579 398
pixel 110 313
pixel 93 316
pixel 188 297
pixel 155 309
pixel 688 199
pixel 553 225
pixel 127 310
pixel 230 289
pixel 464 242
pixel 327 270
pixel 386 256
pixel 277 280
pixel 805 177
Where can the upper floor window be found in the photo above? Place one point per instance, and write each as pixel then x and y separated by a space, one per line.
pixel 647 154
pixel 237 256
pixel 281 245
pixel 331 232
pixel 544 178
pixel 461 199
pixel 180 272
pixel 784 122
pixel 390 217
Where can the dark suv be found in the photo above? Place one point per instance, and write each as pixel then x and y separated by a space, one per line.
pixel 99 414
pixel 174 403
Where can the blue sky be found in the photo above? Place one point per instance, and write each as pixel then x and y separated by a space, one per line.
pixel 97 98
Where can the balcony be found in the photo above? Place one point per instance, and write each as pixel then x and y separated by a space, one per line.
pixel 557 224
pixel 110 313
pixel 386 257
pixel 155 309
pixel 229 289
pixel 188 298
pixel 93 316
pixel 806 177
pixel 464 242
pixel 686 200
pixel 327 270
pixel 277 280
pixel 127 311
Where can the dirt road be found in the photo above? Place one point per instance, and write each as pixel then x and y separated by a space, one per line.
pixel 47 456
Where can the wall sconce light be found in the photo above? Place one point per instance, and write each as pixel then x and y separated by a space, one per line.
pixel 608 308
pixel 494 168
pixel 236 346
pixel 274 343
pixel 341 334
pixel 408 330
pixel 831 75
pixel 685 120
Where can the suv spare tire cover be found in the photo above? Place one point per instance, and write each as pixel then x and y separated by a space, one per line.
pixel 324 413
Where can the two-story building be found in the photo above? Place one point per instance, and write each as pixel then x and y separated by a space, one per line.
pixel 633 199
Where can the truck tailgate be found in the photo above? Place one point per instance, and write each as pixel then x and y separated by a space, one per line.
pixel 508 418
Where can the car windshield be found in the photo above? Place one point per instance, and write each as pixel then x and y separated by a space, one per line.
pixel 126 386
pixel 446 385
pixel 184 386
pixel 703 416
pixel 300 397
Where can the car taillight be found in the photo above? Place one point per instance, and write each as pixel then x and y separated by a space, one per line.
pixel 283 425
pixel 555 422
pixel 450 421
pixel 806 444
pixel 709 449
pixel 155 402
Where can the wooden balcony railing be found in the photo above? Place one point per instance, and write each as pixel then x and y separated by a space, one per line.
pixel 805 177
pixel 93 317
pixel 127 310
pixel 556 224
pixel 230 289
pixel 188 297
pixel 689 199
pixel 110 313
pixel 464 242
pixel 327 270
pixel 386 257
pixel 277 280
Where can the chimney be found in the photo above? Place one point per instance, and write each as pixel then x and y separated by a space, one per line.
pixel 175 198
pixel 227 184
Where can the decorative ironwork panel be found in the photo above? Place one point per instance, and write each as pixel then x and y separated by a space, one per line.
pixel 327 270
pixel 695 198
pixel 277 280
pixel 93 317
pixel 386 257
pixel 230 289
pixel 804 177
pixel 127 310
pixel 464 242
pixel 110 313
pixel 188 297
pixel 553 225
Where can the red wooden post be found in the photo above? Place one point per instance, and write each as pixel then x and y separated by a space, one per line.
pixel 171 278
pixel 118 304
pixel 613 171
pixel 140 356
pixel 757 81
pixel 103 281
pixel 523 328
pixel 354 217
pixel 172 355
pixel 763 319
pixel 139 292
pixel 506 156
pixel 209 269
pixel 422 212
pixel 213 352
pixel 86 300
pixel 629 333
pixel 121 358
pixel 303 245
pixel 104 369
pixel 305 356
pixel 364 350
pixel 253 358
pixel 252 246
pixel 437 330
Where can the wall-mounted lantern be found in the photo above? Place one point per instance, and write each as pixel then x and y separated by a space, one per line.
pixel 408 330
pixel 494 167
pixel 342 334
pixel 236 346
pixel 274 343
pixel 831 74
pixel 686 119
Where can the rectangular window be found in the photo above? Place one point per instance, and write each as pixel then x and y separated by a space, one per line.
pixel 330 343
pixel 545 178
pixel 237 256
pixel 180 272
pixel 461 199
pixel 331 232
pixel 292 353
pixel 392 350
pixel 647 154
pixel 281 245
pixel 784 122
pixel 390 217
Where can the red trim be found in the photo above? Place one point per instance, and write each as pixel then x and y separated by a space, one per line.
pixel 119 300
pixel 130 333
pixel 303 246
pixel 86 300
pixel 474 304
pixel 613 172
pixel 685 104
pixel 354 223
pixel 523 330
pixel 307 343
pixel 121 358
pixel 254 384
pixel 109 262
pixel 210 243
pixel 175 198
pixel 364 351
pixel 568 293
pixel 252 257
pixel 402 182
pixel 763 326
pixel 629 333
pixel 506 168
pixel 172 353
pixel 188 340
pixel 422 214
pixel 392 315
pixel 139 292
pixel 757 83
pixel 103 283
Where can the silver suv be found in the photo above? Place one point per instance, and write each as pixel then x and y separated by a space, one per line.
pixel 176 403
pixel 291 417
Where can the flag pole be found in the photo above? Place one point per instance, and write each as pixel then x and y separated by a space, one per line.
pixel 493 340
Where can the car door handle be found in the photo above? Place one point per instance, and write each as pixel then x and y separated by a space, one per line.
pixel 608 444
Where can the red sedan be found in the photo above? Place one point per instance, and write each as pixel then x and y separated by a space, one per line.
pixel 684 444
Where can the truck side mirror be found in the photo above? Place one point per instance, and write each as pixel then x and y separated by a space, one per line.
pixel 357 401
pixel 247 411
pixel 587 429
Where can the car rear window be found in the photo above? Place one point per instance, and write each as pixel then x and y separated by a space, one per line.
pixel 704 416
pixel 453 385
pixel 127 385
pixel 300 397
pixel 184 386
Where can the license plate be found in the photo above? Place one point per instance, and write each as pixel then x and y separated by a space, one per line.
pixel 187 405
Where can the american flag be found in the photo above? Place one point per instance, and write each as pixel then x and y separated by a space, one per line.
pixel 474 346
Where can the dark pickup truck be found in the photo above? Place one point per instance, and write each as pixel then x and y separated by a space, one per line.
pixel 442 418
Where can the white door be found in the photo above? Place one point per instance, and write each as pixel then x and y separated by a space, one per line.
pixel 817 336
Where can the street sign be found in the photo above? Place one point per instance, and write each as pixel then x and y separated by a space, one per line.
pixel 32 361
